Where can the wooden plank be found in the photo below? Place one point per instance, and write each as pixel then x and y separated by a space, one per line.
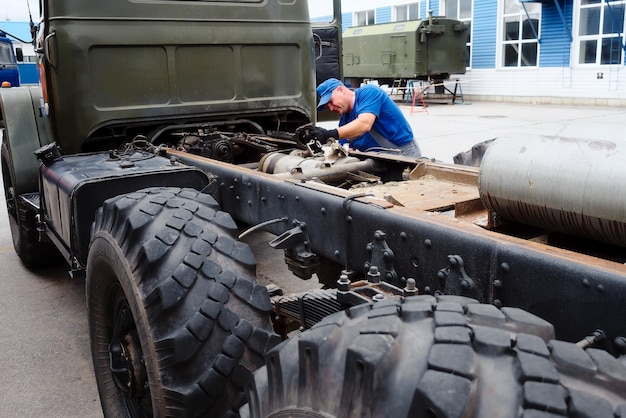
pixel 426 193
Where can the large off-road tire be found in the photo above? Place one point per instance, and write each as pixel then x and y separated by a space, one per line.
pixel 435 357
pixel 176 320
pixel 32 251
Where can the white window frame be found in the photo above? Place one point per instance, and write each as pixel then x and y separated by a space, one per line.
pixel 370 13
pixel 406 8
pixel 599 38
pixel 520 16
pixel 465 19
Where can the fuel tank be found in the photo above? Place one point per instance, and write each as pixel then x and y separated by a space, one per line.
pixel 73 187
pixel 571 185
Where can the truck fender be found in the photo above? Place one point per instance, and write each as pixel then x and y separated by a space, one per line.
pixel 25 130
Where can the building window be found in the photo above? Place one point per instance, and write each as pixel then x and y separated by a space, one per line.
pixel 520 27
pixel 461 10
pixel 364 18
pixel 601 31
pixel 407 12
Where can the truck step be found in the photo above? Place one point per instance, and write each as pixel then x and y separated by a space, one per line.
pixel 31 200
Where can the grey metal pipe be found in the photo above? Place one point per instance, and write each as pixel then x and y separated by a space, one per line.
pixel 300 168
pixel 575 186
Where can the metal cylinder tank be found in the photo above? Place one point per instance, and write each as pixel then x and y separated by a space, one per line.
pixel 570 185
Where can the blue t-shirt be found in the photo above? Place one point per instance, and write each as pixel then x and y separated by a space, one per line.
pixel 390 122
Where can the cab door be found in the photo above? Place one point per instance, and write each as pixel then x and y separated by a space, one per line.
pixel 326 25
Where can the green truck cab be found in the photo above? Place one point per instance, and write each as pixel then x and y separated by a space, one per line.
pixel 120 68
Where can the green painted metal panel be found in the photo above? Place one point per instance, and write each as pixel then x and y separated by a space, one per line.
pixel 412 49
pixel 115 63
pixel 25 131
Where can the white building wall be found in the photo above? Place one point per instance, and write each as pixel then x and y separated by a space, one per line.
pixel 545 85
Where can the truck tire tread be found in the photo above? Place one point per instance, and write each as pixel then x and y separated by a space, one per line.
pixel 441 356
pixel 33 252
pixel 207 319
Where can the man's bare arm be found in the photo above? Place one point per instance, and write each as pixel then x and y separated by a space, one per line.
pixel 362 124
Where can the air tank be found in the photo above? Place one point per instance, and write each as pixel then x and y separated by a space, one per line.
pixel 575 186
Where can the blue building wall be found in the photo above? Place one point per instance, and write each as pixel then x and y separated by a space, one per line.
pixel 484 36
pixel 346 20
pixel 554 40
pixel 383 14
pixel 434 7
pixel 555 34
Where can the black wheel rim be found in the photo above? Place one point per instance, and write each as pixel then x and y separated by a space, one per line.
pixel 126 360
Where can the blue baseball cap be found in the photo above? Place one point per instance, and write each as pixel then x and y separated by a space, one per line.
pixel 325 90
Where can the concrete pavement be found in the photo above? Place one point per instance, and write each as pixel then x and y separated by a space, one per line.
pixel 45 366
pixel 446 129
pixel 449 129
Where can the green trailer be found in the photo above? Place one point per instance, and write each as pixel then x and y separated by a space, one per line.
pixel 430 49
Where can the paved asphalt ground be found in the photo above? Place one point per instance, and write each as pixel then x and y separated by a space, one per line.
pixel 45 361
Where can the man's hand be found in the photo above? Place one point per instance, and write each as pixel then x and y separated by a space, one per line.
pixel 322 135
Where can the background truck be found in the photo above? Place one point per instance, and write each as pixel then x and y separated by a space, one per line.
pixel 400 53
pixel 8 61
pixel 163 128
